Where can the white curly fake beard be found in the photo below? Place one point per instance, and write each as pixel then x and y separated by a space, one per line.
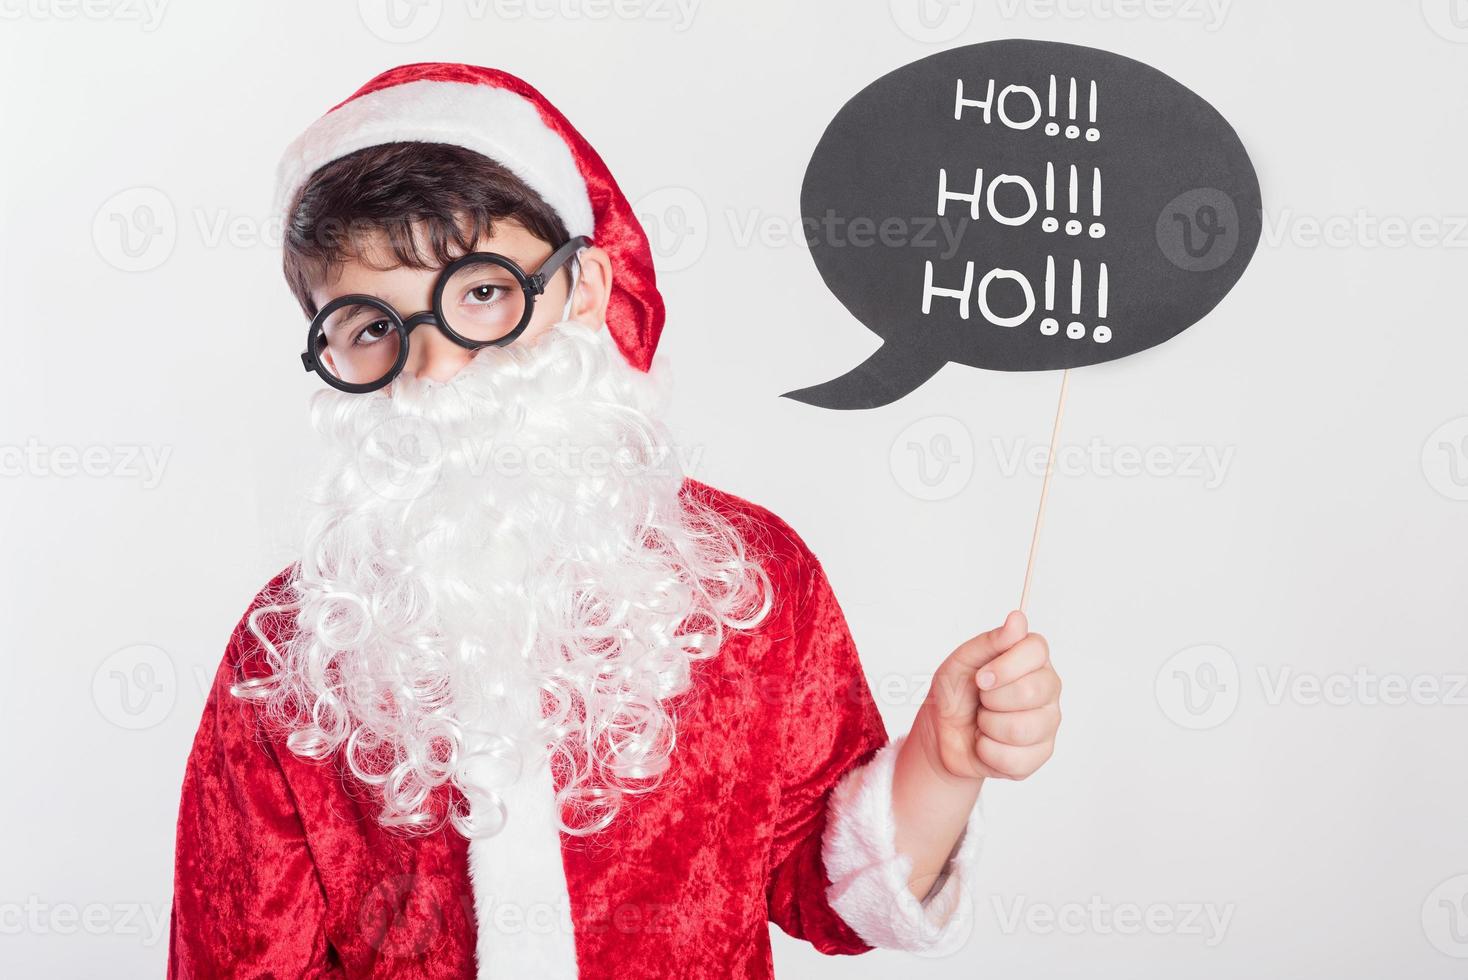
pixel 499 571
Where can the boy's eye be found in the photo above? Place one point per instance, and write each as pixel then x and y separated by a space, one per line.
pixel 374 332
pixel 486 293
pixel 483 301
pixel 357 324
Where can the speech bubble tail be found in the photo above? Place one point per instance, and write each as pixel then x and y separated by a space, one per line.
pixel 892 371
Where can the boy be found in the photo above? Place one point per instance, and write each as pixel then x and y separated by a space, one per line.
pixel 531 703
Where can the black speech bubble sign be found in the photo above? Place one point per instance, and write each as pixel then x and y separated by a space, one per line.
pixel 1165 199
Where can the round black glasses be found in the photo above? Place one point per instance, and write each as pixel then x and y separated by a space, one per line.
pixel 359 343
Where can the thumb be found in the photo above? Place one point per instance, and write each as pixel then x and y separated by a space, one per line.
pixel 985 647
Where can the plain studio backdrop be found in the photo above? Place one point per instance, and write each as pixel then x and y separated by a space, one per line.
pixel 1253 566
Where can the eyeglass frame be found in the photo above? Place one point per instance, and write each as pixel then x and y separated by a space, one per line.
pixel 531 284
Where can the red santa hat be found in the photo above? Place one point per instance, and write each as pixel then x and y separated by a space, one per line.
pixel 500 116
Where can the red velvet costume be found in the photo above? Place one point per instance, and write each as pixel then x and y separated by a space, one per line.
pixel 777 807
pixel 283 870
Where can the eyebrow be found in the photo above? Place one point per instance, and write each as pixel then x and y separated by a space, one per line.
pixel 335 327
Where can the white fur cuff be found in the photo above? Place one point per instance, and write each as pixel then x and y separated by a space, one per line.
pixel 868 877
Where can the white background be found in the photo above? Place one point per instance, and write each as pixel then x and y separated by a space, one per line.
pixel 1328 548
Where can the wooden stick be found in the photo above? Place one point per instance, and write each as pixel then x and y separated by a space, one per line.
pixel 1045 489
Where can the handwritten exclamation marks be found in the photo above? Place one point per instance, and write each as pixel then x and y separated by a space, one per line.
pixel 1051 223
pixel 1097 228
pixel 1072 131
pixel 1050 326
pixel 1052 110
pixel 1075 330
pixel 1052 128
pixel 1073 226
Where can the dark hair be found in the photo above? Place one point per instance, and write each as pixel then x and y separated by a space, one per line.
pixel 453 195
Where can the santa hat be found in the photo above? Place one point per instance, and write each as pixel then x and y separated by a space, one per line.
pixel 500 116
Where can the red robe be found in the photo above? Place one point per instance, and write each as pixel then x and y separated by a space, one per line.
pixel 776 809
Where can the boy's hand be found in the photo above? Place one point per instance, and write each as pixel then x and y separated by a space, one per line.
pixel 994 706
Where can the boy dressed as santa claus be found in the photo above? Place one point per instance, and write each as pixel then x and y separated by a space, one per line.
pixel 531 703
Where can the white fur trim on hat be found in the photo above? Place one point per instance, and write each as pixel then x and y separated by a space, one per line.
pixel 497 123
pixel 868 877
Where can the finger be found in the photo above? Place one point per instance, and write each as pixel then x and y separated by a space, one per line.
pixel 1012 761
pixel 1022 728
pixel 1026 656
pixel 985 647
pixel 1033 690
